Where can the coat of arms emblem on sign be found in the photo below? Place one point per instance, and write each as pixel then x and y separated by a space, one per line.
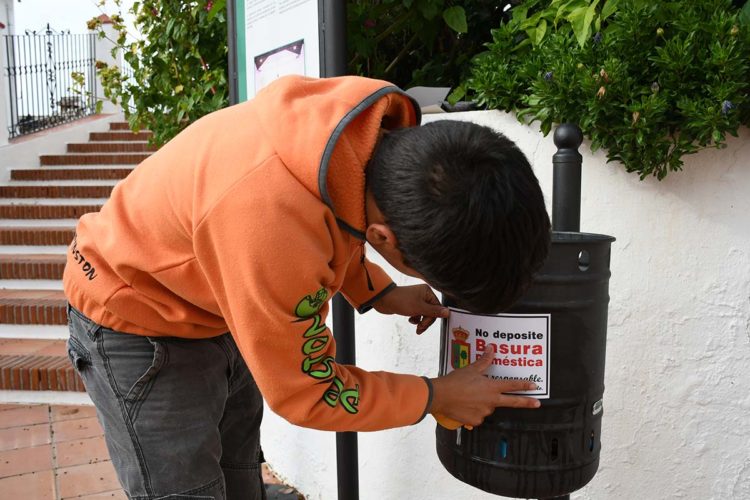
pixel 460 349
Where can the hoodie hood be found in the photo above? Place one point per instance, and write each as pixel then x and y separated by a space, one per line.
pixel 333 123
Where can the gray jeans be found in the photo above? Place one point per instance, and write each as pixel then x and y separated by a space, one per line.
pixel 181 417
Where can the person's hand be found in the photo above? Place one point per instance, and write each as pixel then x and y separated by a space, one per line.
pixel 466 396
pixel 418 302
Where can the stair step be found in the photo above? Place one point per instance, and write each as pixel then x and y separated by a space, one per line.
pixel 32 266
pixel 94 159
pixel 111 147
pixel 38 373
pixel 78 191
pixel 119 126
pixel 34 332
pixel 46 211
pixel 33 307
pixel 31 284
pixel 70 173
pixel 36 235
pixel 122 135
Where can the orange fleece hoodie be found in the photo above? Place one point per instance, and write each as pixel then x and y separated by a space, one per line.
pixel 249 221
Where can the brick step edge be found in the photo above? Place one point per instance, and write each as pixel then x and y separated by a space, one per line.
pixel 119 126
pixel 55 191
pixel 111 147
pixel 46 211
pixel 120 136
pixel 21 267
pixel 33 312
pixel 39 373
pixel 93 159
pixel 70 174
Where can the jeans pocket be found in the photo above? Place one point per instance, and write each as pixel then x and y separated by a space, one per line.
pixel 132 363
pixel 78 355
pixel 139 390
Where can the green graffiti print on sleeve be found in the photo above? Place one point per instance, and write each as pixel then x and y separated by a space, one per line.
pixel 321 367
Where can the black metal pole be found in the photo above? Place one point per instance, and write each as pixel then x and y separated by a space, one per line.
pixel 346 442
pixel 566 179
pixel 566 187
pixel 333 63
pixel 232 46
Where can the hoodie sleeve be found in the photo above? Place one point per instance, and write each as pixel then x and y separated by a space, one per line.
pixel 268 255
pixel 365 283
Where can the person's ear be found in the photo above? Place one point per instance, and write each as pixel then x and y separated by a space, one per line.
pixel 380 237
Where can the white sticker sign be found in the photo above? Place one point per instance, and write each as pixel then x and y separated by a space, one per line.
pixel 520 344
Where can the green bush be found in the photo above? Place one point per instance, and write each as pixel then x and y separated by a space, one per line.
pixel 418 42
pixel 648 81
pixel 178 63
pixel 179 60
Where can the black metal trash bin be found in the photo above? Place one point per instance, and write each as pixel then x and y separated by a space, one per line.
pixel 554 450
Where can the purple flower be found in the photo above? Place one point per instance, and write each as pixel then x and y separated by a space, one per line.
pixel 726 107
pixel 548 75
pixel 598 37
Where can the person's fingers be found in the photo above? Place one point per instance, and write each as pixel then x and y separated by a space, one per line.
pixel 414 320
pixel 518 402
pixel 483 363
pixel 424 324
pixel 434 310
pixel 515 385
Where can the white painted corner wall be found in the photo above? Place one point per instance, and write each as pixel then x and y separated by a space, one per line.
pixel 677 400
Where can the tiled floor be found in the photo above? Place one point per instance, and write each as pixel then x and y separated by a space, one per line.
pixel 57 452
pixel 54 452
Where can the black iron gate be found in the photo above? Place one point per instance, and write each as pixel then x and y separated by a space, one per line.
pixel 50 77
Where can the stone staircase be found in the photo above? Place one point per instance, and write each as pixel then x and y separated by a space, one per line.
pixel 39 208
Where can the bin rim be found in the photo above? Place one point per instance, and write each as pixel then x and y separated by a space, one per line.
pixel 578 237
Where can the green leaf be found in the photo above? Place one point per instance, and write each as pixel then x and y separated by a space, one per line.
pixel 609 8
pixel 744 16
pixel 457 94
pixel 580 20
pixel 455 17
pixel 541 29
pixel 218 6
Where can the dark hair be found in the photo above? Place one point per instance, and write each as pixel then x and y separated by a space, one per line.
pixel 466 209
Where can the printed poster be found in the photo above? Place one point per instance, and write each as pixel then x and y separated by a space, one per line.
pixel 281 38
pixel 520 344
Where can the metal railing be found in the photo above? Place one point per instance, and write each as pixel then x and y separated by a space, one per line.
pixel 51 79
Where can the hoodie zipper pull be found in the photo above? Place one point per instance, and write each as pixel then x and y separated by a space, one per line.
pixel 367 273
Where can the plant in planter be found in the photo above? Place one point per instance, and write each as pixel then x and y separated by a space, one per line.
pixel 648 81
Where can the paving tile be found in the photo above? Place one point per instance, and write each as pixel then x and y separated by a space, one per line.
pixel 84 451
pixel 88 479
pixel 82 428
pixel 24 437
pixel 36 486
pixel 60 413
pixel 24 460
pixel 5 407
pixel 108 495
pixel 24 416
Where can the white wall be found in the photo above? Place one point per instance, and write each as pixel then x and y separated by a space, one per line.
pixel 24 151
pixel 677 401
